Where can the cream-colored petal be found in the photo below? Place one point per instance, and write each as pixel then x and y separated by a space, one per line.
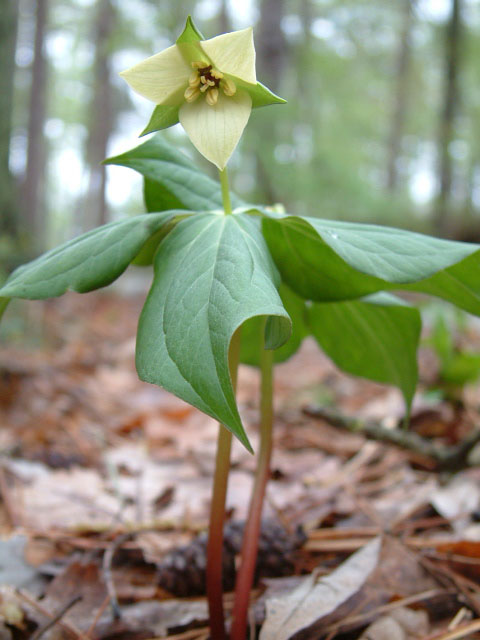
pixel 233 53
pixel 215 131
pixel 162 78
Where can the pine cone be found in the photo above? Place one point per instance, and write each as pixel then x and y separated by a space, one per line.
pixel 182 571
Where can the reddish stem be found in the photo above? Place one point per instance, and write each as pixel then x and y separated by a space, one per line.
pixel 252 527
pixel 217 513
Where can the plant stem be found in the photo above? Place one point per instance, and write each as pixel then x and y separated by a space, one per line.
pixel 227 205
pixel 251 534
pixel 217 512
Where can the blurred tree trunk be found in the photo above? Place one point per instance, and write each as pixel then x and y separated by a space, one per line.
pixel 271 43
pixel 8 34
pixel 101 117
pixel 399 110
pixel 453 37
pixel 33 191
pixel 272 57
pixel 224 19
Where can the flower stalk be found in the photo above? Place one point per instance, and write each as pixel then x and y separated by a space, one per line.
pixel 227 204
pixel 251 534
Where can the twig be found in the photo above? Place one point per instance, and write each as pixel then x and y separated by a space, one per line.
pixel 6 498
pixel 363 618
pixel 100 611
pixel 458 633
pixel 41 630
pixel 67 626
pixel 447 458
pixel 108 576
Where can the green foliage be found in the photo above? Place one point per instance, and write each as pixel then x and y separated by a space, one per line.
pixel 170 177
pixel 212 273
pixel 215 272
pixel 375 337
pixel 458 366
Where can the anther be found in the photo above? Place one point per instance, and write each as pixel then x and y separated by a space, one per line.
pixel 211 82
pixel 212 97
pixel 216 74
pixel 191 94
pixel 194 80
pixel 204 87
pixel 203 79
pixel 199 64
pixel 229 88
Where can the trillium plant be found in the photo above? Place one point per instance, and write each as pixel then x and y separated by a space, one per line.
pixel 238 282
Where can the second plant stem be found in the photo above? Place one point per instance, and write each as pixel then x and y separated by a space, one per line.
pixel 251 534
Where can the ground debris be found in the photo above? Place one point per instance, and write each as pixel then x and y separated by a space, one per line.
pixel 105 487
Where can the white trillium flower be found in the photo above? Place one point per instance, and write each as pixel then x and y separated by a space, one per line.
pixel 210 86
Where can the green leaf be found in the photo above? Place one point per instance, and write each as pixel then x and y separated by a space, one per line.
pixel 375 338
pixel 175 176
pixel 458 284
pixel 252 339
pixel 331 261
pixel 163 116
pixel 87 262
pixel 211 274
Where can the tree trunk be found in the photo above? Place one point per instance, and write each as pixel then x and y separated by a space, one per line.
pixel 401 96
pixel 447 122
pixel 33 192
pixel 271 43
pixel 8 33
pixel 224 18
pixel 101 117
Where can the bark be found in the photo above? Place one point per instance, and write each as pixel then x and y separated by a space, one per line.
pixel 453 38
pixel 224 19
pixel 399 110
pixel 8 33
pixel 271 43
pixel 101 117
pixel 33 192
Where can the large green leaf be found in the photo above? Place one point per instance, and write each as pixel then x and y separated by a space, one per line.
pixel 332 261
pixel 211 273
pixel 252 339
pixel 376 338
pixel 87 262
pixel 171 178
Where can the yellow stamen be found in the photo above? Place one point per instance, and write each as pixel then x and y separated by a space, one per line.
pixel 228 86
pixel 216 74
pixel 194 80
pixel 203 79
pixel 199 64
pixel 191 94
pixel 211 83
pixel 212 97
pixel 204 87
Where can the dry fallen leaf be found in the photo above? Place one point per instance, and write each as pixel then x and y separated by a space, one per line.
pixel 316 598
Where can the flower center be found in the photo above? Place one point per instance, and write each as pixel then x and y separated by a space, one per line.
pixel 207 80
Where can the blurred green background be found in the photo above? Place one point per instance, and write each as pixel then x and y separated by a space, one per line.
pixel 382 122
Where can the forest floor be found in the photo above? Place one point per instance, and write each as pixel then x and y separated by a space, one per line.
pixel 105 485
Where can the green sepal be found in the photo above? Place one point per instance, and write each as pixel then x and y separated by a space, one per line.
pixel 211 273
pixel 260 94
pixel 88 262
pixel 190 33
pixel 188 43
pixel 375 338
pixel 163 116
